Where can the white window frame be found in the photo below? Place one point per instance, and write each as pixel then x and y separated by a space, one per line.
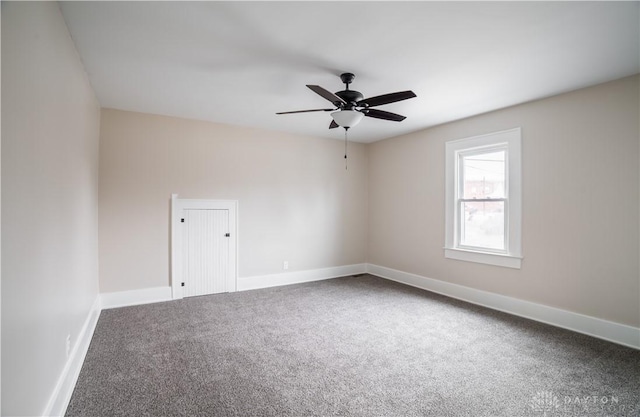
pixel 510 140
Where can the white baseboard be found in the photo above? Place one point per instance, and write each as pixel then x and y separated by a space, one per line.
pixel 602 329
pixel 298 277
pixel 159 294
pixel 63 390
pixel 135 297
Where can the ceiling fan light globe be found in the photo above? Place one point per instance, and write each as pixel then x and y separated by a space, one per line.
pixel 347 118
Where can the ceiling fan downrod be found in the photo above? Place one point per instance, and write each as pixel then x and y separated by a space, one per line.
pixel 347 78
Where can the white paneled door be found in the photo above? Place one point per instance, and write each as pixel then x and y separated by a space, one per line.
pixel 207 251
pixel 204 247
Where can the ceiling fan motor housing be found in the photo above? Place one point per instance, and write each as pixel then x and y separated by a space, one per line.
pixel 351 97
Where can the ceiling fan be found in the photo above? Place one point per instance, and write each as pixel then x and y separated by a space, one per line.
pixel 350 106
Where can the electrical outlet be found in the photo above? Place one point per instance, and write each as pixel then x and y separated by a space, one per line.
pixel 68 345
pixel 285 265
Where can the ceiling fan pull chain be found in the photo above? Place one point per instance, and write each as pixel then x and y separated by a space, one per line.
pixel 345 147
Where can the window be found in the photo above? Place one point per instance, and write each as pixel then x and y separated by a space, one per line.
pixel 483 199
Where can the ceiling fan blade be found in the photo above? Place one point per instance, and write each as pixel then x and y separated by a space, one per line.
pixel 333 125
pixel 326 94
pixel 303 111
pixel 385 115
pixel 387 98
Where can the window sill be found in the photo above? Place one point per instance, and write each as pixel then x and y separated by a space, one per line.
pixel 507 261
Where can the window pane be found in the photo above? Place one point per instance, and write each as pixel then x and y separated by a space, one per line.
pixel 482 225
pixel 484 175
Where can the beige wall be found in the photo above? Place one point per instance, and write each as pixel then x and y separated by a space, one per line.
pixel 50 132
pixel 296 200
pixel 580 242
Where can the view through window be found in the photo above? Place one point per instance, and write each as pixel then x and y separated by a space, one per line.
pixel 483 199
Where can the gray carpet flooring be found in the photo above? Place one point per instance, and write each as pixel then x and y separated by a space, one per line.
pixel 353 346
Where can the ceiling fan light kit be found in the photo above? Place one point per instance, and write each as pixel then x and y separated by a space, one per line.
pixel 347 118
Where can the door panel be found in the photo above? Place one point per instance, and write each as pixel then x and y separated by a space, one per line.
pixel 206 252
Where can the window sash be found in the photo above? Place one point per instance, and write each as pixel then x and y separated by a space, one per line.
pixel 461 227
pixel 460 213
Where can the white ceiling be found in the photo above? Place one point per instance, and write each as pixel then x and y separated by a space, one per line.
pixel 241 62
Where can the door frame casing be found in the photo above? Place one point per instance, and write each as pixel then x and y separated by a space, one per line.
pixel 177 241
